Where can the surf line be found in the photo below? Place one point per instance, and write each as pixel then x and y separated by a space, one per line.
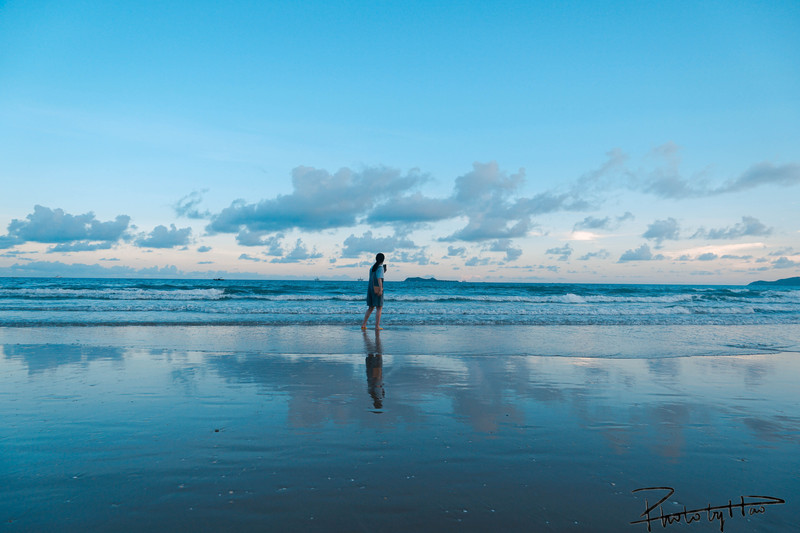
pixel 755 505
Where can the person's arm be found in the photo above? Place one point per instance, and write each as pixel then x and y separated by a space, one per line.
pixel 380 285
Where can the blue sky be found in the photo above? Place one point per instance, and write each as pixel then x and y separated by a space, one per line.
pixel 519 141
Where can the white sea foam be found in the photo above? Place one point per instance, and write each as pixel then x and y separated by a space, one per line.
pixel 27 302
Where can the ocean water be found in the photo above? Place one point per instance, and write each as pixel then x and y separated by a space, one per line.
pixel 28 302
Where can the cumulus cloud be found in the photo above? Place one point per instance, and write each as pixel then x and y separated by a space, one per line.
pixel 320 200
pixel 708 256
pixel 248 257
pixel 414 209
pixel 8 241
pixel 188 205
pixel 504 245
pixel 453 251
pixel 662 230
pixel 69 232
pixel 486 197
pixel 749 226
pixel 605 223
pixel 297 254
pixel 419 257
pixel 785 262
pixel 163 237
pixel 563 252
pixel 642 253
pixel 80 246
pixel 477 261
pixel 260 238
pixel 367 243
pixel 600 254
pixel 204 249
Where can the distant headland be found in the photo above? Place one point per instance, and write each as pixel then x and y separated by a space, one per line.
pixel 786 282
pixel 425 279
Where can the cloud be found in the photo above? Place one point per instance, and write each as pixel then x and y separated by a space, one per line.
pixel 80 246
pixel 7 241
pixel 667 182
pixel 642 253
pixel 504 245
pixel 419 257
pixel 248 257
pixel 70 232
pixel 708 256
pixel 598 178
pixel 606 223
pixel 78 270
pixel 564 252
pixel 187 206
pixel 161 237
pixel 477 261
pixel 320 201
pixel 367 243
pixel 749 226
pixel 259 238
pixel 204 249
pixel 662 230
pixel 486 198
pixel 297 254
pixel 452 251
pixel 600 254
pixel 720 250
pixel 785 262
pixel 763 173
pixel 414 209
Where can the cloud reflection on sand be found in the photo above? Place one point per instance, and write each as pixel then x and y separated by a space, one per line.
pixel 531 427
pixel 38 358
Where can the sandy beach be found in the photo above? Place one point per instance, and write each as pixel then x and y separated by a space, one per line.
pixel 332 429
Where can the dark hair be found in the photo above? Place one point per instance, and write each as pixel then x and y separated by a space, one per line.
pixel 378 260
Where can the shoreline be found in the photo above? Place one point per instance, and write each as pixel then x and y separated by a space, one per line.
pixel 601 341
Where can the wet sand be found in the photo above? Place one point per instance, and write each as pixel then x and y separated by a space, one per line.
pixel 428 429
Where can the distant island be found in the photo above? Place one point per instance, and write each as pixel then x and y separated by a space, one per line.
pixel 786 282
pixel 425 279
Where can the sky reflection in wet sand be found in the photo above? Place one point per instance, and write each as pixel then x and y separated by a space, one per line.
pixel 126 437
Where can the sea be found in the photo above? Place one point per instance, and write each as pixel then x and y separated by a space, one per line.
pixel 36 302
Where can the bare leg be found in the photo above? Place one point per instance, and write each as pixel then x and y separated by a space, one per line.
pixel 378 318
pixel 366 316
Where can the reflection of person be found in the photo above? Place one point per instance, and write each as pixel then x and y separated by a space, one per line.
pixel 375 370
pixel 375 291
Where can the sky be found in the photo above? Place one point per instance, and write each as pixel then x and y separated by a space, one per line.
pixel 574 141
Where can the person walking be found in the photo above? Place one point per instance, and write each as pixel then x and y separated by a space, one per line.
pixel 375 291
